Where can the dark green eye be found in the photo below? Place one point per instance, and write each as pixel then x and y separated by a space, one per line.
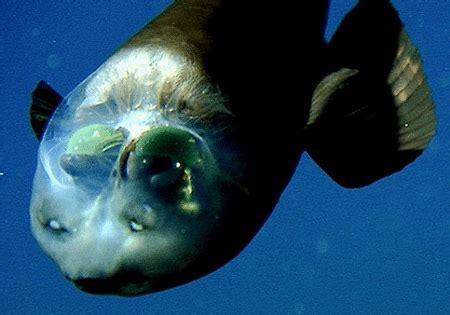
pixel 158 171
pixel 164 158
pixel 162 153
pixel 164 172
pixel 177 144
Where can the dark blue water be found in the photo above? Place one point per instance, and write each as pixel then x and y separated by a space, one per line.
pixel 381 249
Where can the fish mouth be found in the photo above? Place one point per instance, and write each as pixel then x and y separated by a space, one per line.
pixel 126 284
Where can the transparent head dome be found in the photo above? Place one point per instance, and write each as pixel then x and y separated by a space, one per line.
pixel 125 185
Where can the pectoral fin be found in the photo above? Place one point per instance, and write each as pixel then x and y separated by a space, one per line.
pixel 373 114
pixel 44 100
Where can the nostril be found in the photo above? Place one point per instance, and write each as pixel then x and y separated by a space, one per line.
pixel 138 217
pixel 136 227
pixel 55 226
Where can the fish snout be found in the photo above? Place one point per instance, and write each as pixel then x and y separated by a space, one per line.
pixel 124 283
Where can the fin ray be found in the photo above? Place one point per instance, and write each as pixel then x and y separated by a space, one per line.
pixel 373 114
pixel 44 100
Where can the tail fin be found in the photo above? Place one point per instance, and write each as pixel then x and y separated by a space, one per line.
pixel 373 114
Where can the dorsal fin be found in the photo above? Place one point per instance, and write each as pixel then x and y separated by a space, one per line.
pixel 44 100
pixel 373 114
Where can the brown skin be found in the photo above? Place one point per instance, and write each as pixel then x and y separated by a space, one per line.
pixel 266 60
pixel 248 49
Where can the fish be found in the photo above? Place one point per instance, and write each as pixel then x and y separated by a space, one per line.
pixel 163 164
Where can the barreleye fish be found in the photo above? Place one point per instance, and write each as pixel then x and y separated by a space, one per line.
pixel 162 164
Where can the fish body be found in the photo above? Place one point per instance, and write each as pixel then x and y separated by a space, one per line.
pixel 163 164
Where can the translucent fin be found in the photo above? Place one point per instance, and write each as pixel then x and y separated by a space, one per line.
pixel 373 114
pixel 44 100
pixel 412 98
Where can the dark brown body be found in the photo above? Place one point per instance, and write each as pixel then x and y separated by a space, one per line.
pixel 359 105
pixel 267 60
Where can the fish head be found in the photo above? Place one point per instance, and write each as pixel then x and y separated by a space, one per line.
pixel 131 196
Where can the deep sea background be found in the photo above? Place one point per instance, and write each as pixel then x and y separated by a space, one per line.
pixel 325 249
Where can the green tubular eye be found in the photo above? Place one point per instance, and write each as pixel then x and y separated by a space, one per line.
pixel 94 139
pixel 167 156
pixel 90 155
pixel 175 143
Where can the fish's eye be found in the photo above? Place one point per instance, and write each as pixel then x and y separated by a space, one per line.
pixel 165 160
pixel 169 142
pixel 162 155
pixel 91 153
pixel 158 171
pixel 165 173
pixel 160 164
pixel 94 140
